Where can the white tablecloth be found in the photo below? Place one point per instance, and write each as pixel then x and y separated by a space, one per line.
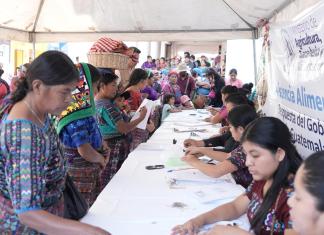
pixel 140 201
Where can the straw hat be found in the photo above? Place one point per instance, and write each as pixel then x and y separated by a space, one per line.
pixel 182 67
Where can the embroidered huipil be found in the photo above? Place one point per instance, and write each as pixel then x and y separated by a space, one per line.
pixel 32 173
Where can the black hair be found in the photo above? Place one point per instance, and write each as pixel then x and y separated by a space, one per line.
pixel 1 72
pixel 52 68
pixel 211 72
pixel 314 178
pixel 271 133
pixel 136 77
pixel 198 63
pixel 162 58
pixel 236 98
pixel 243 91
pixel 229 89
pixel 135 49
pixel 233 71
pixel 106 77
pixel 94 72
pixel 187 56
pixel 149 57
pixel 183 74
pixel 126 95
pixel 248 86
pixel 242 115
pixel 186 53
pixel 193 57
pixel 167 98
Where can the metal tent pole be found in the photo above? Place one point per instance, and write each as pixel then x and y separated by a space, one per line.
pixel 255 33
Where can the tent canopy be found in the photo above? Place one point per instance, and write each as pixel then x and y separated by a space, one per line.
pixel 133 20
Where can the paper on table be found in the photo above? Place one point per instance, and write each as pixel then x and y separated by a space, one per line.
pixel 151 147
pixel 194 175
pixel 213 192
pixel 188 129
pixel 149 104
pixel 193 124
pixel 173 157
pixel 175 161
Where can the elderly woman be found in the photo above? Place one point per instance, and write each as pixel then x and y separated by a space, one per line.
pixel 32 167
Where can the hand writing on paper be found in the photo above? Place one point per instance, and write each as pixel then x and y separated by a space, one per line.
pixel 207 119
pixel 190 159
pixel 197 151
pixel 193 143
pixel 212 110
pixel 191 227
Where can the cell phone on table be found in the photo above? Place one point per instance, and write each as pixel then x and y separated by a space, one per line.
pixel 154 167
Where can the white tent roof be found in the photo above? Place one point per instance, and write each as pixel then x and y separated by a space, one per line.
pixel 136 20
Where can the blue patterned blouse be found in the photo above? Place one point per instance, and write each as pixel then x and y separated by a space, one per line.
pixel 80 132
pixel 32 173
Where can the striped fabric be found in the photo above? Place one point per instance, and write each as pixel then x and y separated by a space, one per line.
pixel 105 44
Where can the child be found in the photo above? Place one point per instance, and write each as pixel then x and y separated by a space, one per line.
pixel 186 102
pixel 168 106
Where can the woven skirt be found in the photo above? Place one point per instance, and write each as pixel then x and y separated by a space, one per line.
pixel 85 175
pixel 119 150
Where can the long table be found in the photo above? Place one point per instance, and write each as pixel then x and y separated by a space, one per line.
pixel 141 201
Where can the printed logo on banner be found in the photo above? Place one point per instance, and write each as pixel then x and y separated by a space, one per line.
pixel 289 50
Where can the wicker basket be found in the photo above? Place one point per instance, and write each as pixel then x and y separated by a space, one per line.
pixel 108 60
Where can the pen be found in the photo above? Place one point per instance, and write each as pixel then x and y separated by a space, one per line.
pixel 182 169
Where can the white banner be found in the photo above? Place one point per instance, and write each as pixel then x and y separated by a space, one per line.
pixel 296 82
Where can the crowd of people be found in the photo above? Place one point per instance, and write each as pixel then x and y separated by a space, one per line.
pixel 62 120
pixel 196 80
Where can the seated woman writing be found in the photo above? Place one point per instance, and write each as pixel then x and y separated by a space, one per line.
pixel 272 160
pixel 234 162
